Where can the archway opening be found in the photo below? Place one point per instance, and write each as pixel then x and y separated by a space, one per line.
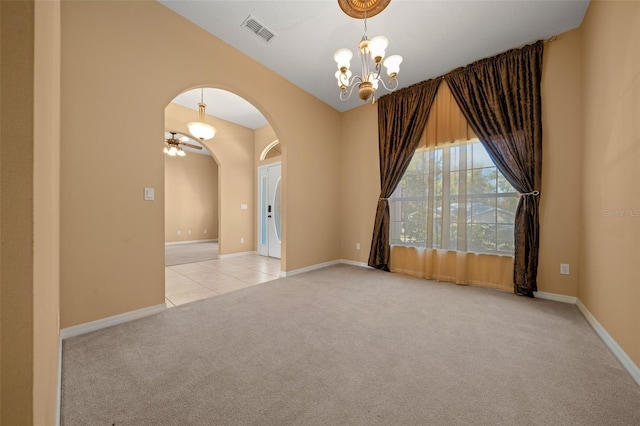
pixel 236 152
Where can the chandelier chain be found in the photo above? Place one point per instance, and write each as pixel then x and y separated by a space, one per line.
pixel 365 22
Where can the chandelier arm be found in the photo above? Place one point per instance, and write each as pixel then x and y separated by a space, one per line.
pixel 391 87
pixel 351 87
pixel 349 83
pixel 378 70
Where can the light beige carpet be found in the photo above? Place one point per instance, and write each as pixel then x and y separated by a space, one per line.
pixel 350 346
pixel 178 254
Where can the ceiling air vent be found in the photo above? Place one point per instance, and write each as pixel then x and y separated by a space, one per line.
pixel 253 25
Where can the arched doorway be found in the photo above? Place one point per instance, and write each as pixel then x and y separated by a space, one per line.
pixel 235 149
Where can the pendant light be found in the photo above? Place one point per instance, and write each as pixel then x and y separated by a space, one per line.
pixel 200 129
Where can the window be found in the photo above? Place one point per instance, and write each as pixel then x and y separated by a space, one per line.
pixel 453 197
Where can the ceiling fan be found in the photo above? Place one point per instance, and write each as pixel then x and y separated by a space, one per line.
pixel 173 145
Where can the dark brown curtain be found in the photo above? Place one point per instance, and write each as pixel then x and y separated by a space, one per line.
pixel 500 98
pixel 402 117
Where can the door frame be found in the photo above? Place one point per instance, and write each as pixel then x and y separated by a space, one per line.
pixel 262 240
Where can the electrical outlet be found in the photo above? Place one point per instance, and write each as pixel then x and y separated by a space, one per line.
pixel 241 240
pixel 564 268
pixel 205 231
pixel 189 232
pixel 357 246
pixel 179 232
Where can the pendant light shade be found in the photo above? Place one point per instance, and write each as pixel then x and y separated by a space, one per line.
pixel 200 129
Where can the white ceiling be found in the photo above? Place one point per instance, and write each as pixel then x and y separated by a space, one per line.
pixel 433 37
pixel 223 104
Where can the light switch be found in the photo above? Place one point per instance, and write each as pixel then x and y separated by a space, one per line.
pixel 243 207
pixel 149 194
pixel 564 268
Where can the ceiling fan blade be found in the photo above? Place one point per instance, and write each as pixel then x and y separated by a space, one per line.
pixel 190 145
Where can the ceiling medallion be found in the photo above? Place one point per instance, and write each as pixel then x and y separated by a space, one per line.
pixel 360 9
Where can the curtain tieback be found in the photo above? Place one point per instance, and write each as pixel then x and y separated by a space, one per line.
pixel 383 199
pixel 534 193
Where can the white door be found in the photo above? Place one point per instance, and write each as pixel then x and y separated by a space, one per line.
pixel 270 210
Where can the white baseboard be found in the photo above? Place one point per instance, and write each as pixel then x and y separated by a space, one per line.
pixel 555 297
pixel 613 346
pixel 309 268
pixel 242 253
pixel 175 243
pixel 622 356
pixel 322 265
pixel 88 327
pixel 354 263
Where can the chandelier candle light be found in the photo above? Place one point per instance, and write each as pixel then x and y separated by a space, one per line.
pixel 371 54
pixel 200 129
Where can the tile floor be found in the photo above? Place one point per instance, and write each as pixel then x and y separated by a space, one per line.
pixel 194 281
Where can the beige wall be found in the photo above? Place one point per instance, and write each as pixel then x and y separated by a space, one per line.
pixel 16 212
pixel 610 245
pixel 46 205
pixel 561 155
pixel 112 241
pixel 29 209
pixel 360 175
pixel 190 198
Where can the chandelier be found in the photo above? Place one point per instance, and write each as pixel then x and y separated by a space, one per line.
pixel 372 58
pixel 200 129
